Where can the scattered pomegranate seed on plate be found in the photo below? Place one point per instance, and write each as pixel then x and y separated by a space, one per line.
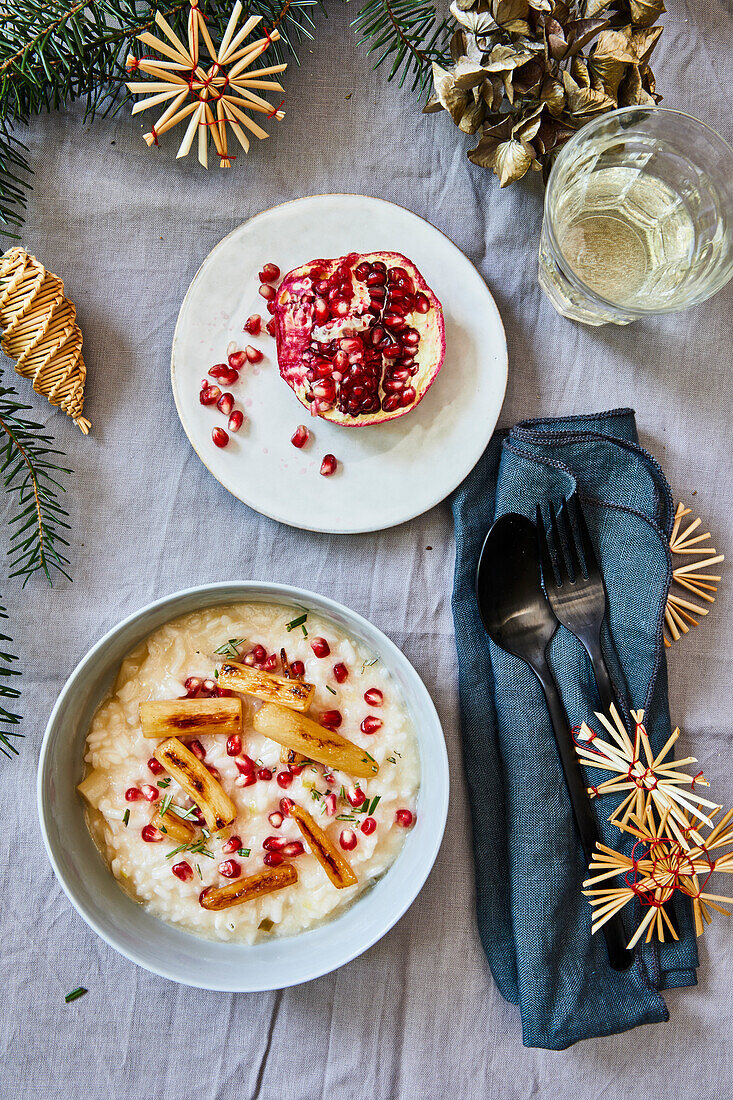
pixel 368 826
pixel 234 745
pixel 300 436
pixel 284 779
pixel 152 794
pixel 232 845
pixel 209 394
pixel 374 697
pixel 297 668
pixel 224 374
pixel 293 849
pixel 320 647
pixel 220 437
pixel 269 273
pixel 155 766
pixel 133 794
pixel 253 325
pixel 230 868
pixel 275 819
pixel 404 818
pixel 237 359
pixel 340 673
pixel 331 719
pixel 274 843
pixel 197 749
pixel 264 774
pixel 245 764
pixel 247 779
pixel 225 403
pixel 272 859
pixel 268 292
pixel 183 871
pixel 192 685
pixel 286 805
pixel 270 326
pixel 235 421
pixel 254 355
pixel 356 796
pixel 330 804
pixel 150 834
pixel 328 465
pixel 348 840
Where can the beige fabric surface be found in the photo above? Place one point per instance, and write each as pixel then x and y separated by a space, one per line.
pixel 417 1017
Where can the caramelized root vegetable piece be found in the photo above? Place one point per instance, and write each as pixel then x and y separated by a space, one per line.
pixel 198 783
pixel 94 787
pixel 191 717
pixel 178 828
pixel 296 731
pixel 331 860
pixel 247 889
pixel 294 694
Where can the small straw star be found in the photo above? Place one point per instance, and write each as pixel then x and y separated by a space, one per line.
pixel 212 96
pixel 681 611
pixel 650 780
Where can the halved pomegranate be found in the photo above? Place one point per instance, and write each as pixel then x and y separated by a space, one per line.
pixel 361 338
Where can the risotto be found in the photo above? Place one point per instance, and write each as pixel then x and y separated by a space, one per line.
pixel 280 819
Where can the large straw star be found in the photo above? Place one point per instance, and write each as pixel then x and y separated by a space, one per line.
pixel 210 97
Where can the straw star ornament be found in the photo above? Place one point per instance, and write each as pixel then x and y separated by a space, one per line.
pixel 211 95
pixel 680 610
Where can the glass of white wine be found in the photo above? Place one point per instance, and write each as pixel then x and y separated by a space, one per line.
pixel 638 217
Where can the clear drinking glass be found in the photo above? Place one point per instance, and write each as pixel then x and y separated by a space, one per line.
pixel 638 217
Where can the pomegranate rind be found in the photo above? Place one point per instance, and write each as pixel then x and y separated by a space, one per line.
pixel 295 323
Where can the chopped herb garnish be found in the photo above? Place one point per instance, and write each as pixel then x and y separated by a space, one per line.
pixel 75 994
pixel 163 829
pixel 342 792
pixel 391 759
pixel 244 852
pixel 164 783
pixel 165 805
pixel 316 794
pixel 368 664
pixel 206 833
pixel 126 818
pixel 216 673
pixel 375 803
pixel 370 757
pixel 180 812
pixel 231 648
pixel 329 688
pixel 180 848
pixel 296 622
pixel 305 632
pixel 199 871
pixel 346 817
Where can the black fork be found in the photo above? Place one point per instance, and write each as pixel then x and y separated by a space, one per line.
pixel 574 585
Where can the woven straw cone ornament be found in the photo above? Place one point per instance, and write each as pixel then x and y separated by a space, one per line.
pixel 41 334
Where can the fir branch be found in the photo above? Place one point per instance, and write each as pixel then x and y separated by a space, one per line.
pixel 8 718
pixel 53 52
pixel 29 473
pixel 410 33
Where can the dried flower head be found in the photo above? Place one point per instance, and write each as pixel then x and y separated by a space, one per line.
pixel 527 74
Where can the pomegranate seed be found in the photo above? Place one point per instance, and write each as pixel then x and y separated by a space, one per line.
pixel 297 668
pixel 235 421
pixel 275 819
pixel 329 777
pixel 274 843
pixel 371 724
pixel 232 845
pixel 267 292
pixel 368 826
pixel 133 794
pixel 340 673
pixel 356 796
pixel 422 303
pixel 328 466
pixel 331 719
pixel 209 395
pixel 234 745
pixel 293 849
pixel 300 436
pixel 259 653
pixel 214 771
pixel 362 271
pixel 223 693
pixel 183 871
pixel 225 403
pixel 270 663
pixel 192 685
pixel 237 359
pixel 404 818
pixel 269 273
pixel 270 326
pixel 226 375
pixel 197 749
pixel 374 697
pixel 264 774
pixel 155 766
pixel 152 794
pixel 272 859
pixel 254 355
pixel 286 805
pixel 245 780
pixel 348 840
pixel 230 868
pixel 209 688
pixel 203 894
pixel 295 769
pixel 330 803
pixel 253 324
pixel 284 779
pixel 150 834
pixel 245 764
pixel 220 437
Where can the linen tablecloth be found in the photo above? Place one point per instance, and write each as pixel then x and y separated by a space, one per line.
pixel 417 1016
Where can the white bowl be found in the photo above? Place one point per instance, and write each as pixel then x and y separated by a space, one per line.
pixel 169 951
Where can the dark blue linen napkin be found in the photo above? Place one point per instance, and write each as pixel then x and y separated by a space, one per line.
pixel 533 920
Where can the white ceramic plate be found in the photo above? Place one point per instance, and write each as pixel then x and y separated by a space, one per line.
pixel 164 948
pixel 388 473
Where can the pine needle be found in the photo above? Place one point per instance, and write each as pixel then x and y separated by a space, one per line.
pixel 409 33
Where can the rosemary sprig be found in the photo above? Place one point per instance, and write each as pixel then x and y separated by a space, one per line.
pixel 229 649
